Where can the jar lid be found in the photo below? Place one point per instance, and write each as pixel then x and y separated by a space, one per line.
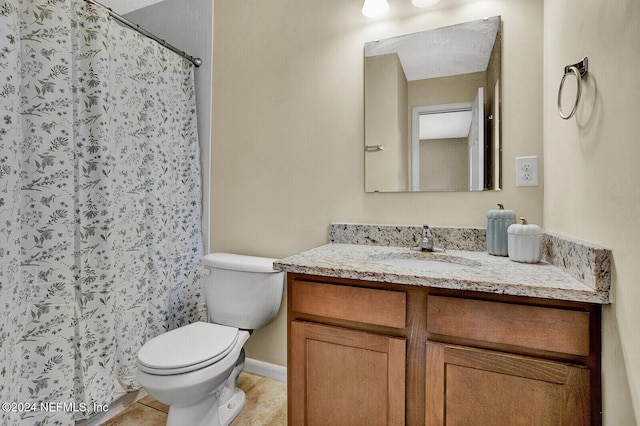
pixel 524 228
pixel 501 213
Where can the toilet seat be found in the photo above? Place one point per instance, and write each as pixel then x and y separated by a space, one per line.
pixel 187 348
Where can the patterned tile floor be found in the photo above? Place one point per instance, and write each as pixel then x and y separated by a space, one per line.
pixel 266 406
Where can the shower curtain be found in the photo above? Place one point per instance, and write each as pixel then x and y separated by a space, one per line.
pixel 100 207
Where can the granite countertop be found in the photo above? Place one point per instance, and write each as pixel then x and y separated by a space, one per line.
pixel 483 272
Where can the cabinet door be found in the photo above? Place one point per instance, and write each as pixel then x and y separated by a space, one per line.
pixel 345 377
pixel 468 386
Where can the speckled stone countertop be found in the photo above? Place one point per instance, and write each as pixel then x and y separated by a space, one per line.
pixel 482 272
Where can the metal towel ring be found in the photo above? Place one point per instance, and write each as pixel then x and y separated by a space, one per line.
pixel 580 70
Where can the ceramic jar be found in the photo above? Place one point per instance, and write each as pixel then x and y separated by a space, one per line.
pixel 498 221
pixel 525 242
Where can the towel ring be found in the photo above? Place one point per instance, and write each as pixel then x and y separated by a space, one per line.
pixel 580 70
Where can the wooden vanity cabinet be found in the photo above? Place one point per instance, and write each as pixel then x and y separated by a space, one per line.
pixel 368 353
pixel 513 361
pixel 342 368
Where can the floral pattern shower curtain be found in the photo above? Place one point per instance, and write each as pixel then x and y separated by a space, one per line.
pixel 100 199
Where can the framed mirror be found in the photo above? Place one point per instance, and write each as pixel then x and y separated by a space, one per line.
pixel 432 109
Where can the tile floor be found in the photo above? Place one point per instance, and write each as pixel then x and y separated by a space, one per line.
pixel 266 406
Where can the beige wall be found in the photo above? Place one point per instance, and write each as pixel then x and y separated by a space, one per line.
pixel 446 90
pixel 386 117
pixel 444 164
pixel 591 165
pixel 288 126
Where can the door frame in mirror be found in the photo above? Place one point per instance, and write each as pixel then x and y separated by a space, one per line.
pixel 415 133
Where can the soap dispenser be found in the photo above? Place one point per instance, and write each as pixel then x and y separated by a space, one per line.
pixel 498 221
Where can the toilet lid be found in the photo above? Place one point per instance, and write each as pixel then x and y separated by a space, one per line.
pixel 187 348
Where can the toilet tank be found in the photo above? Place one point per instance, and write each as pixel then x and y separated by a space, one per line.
pixel 241 291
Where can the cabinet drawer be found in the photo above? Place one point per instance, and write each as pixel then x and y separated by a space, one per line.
pixel 534 327
pixel 365 305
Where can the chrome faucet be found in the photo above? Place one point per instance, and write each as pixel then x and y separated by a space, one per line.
pixel 427 241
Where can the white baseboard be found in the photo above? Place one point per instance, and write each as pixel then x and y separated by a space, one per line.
pixel 266 369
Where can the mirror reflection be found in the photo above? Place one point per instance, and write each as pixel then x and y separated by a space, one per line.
pixel 432 109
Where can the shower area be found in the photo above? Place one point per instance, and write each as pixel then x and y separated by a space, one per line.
pixel 101 235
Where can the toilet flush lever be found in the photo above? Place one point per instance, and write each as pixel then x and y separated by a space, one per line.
pixel 206 271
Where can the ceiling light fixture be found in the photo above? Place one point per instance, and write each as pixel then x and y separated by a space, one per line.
pixel 424 3
pixel 375 8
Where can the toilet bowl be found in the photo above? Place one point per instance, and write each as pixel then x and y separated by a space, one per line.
pixel 203 393
pixel 194 369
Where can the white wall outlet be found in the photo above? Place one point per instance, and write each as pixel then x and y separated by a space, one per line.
pixel 527 171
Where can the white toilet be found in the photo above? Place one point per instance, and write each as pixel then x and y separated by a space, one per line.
pixel 194 369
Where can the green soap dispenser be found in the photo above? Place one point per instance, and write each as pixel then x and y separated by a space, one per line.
pixel 498 221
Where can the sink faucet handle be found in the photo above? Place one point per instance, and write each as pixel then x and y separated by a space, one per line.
pixel 427 238
pixel 426 244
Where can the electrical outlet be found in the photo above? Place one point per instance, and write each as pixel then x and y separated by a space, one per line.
pixel 527 171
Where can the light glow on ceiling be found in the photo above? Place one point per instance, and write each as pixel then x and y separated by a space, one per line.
pixel 445 125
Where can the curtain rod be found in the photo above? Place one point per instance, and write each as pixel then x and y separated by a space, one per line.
pixel 195 61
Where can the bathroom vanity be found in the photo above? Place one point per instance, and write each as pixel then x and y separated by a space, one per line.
pixel 374 339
